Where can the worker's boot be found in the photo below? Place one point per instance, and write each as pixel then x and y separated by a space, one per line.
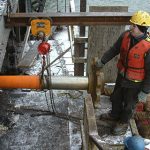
pixel 120 128
pixel 107 116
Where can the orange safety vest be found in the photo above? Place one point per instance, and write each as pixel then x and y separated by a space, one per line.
pixel 131 62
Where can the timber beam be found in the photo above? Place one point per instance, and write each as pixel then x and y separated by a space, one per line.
pixel 81 18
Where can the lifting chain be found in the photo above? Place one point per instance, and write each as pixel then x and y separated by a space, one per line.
pixel 41 28
pixel 40 112
pixel 49 101
pixel 43 66
pixel 51 95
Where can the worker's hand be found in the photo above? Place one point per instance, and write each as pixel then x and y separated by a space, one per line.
pixel 142 97
pixel 99 64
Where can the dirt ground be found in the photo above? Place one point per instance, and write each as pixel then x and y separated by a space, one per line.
pixel 104 130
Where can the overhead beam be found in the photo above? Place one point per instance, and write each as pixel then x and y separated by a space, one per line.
pixel 80 18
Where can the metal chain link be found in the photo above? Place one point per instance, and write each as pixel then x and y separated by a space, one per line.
pixel 51 95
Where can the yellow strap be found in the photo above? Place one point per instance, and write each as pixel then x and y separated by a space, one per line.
pixel 136 81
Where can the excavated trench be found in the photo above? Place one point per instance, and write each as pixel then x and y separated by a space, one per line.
pixel 26 121
pixel 31 126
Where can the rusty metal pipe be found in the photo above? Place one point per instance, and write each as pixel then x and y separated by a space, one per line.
pixel 34 82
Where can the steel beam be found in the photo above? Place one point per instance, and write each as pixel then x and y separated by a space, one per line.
pixel 81 18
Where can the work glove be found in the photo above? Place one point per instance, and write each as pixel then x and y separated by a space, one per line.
pixel 142 97
pixel 99 64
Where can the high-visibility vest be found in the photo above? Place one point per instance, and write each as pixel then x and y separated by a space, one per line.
pixel 131 62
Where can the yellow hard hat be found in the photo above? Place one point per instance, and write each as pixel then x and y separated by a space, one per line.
pixel 141 18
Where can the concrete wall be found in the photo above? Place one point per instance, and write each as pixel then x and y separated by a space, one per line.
pixel 101 38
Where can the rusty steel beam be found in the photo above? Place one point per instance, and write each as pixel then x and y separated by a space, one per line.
pixel 81 18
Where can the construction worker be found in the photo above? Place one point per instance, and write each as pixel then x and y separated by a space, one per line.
pixel 133 79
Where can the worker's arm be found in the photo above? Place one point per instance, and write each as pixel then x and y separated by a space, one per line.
pixel 146 82
pixel 113 51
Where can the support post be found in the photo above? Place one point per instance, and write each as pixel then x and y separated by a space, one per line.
pixel 80 47
pixel 100 39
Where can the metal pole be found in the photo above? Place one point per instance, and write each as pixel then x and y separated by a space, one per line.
pixel 57 5
pixel 69 83
pixel 65 5
pixel 80 47
pixel 35 82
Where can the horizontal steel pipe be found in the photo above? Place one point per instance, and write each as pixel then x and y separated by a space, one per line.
pixel 34 82
pixel 12 82
pixel 72 83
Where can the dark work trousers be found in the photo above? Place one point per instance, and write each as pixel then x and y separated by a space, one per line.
pixel 123 102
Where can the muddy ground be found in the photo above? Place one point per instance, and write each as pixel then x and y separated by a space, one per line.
pixel 44 132
pixel 47 132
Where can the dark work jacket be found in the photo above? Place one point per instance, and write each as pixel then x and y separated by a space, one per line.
pixel 115 50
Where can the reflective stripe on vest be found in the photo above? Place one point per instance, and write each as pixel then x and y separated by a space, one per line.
pixel 131 62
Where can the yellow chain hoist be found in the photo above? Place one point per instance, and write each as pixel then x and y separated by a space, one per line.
pixel 41 26
pixel 41 29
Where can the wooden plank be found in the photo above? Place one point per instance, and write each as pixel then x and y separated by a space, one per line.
pixel 25 42
pixel 79 59
pixel 100 39
pixel 133 127
pixel 29 57
pixel 3 42
pixel 81 39
pixel 84 146
pixel 79 48
pixel 90 126
pixel 73 30
pixel 78 67
pixel 72 6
